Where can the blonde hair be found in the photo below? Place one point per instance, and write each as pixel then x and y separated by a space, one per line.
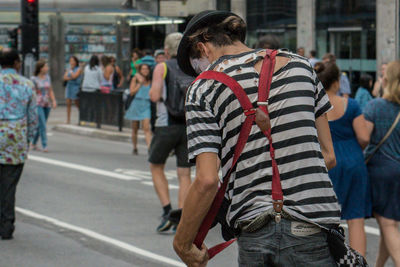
pixel 392 81
pixel 171 43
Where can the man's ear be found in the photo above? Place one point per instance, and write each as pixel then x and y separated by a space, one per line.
pixel 203 49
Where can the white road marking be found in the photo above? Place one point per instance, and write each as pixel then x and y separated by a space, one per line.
pixel 100 237
pixel 122 174
pixel 81 168
pixel 368 229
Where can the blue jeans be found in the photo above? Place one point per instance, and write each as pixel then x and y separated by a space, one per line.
pixel 43 115
pixel 285 244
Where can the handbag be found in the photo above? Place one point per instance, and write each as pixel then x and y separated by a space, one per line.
pixel 389 132
pixel 341 252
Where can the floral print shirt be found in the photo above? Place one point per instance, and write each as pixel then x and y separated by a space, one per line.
pixel 18 116
pixel 42 87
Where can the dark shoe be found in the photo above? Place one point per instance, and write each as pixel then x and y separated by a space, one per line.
pixel 135 151
pixel 174 229
pixel 165 224
pixel 7 231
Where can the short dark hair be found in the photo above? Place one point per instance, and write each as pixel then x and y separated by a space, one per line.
pixel 268 41
pixel 327 73
pixel 8 57
pixel 365 80
pixel 313 53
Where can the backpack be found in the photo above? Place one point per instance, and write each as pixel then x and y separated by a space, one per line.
pixel 177 84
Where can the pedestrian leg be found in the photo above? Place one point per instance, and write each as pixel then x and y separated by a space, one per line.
pixel 135 128
pixel 10 175
pixel 160 183
pixel 147 132
pixel 77 103
pixel 383 253
pixel 357 237
pixel 184 184
pixel 69 103
pixel 42 126
pixel 391 234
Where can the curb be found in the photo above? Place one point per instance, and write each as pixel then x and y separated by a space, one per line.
pixel 94 132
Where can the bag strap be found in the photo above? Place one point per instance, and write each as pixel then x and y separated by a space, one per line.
pixel 389 132
pixel 267 71
pixel 249 111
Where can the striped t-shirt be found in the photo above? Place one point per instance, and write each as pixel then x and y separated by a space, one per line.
pixel 214 118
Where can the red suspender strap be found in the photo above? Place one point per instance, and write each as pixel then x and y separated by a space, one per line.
pixel 243 136
pixel 264 85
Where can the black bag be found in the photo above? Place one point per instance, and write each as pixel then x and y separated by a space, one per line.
pixel 128 101
pixel 177 84
pixel 343 254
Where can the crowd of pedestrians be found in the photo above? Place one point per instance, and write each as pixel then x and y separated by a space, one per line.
pixel 313 157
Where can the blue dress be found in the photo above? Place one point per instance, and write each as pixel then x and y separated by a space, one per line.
pixel 140 107
pixel 384 166
pixel 350 177
pixel 73 86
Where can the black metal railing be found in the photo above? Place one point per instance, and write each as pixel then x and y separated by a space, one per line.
pixel 102 108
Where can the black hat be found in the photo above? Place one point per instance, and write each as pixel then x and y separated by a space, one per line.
pixel 197 22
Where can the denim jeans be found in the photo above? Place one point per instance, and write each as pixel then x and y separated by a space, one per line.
pixel 9 177
pixel 285 244
pixel 43 115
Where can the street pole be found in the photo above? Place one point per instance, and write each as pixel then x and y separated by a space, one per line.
pixel 29 35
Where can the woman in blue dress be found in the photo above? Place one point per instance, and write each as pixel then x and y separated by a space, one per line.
pixel 349 136
pixel 73 78
pixel 140 108
pixel 384 165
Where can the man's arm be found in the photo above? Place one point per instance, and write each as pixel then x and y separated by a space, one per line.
pixel 197 203
pixel 325 139
pixel 157 83
pixel 32 117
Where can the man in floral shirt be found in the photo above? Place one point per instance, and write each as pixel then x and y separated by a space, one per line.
pixel 18 123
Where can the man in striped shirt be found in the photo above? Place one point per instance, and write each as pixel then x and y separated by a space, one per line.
pixel 297 105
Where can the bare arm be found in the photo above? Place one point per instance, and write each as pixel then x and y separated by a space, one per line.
pixel 52 97
pixel 370 127
pixel 325 139
pixel 107 72
pixel 360 128
pixel 157 83
pixel 66 77
pixel 134 86
pixel 76 74
pixel 377 86
pixel 200 197
pixel 121 76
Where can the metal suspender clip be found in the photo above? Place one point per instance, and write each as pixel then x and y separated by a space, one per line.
pixel 278 205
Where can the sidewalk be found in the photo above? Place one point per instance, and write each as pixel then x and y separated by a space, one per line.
pixel 58 118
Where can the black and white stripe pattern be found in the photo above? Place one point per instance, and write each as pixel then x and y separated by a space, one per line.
pixel 297 98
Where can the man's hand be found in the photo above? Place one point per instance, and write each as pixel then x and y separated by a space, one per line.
pixel 192 256
pixel 54 104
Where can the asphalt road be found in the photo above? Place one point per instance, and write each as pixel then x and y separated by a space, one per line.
pixel 89 202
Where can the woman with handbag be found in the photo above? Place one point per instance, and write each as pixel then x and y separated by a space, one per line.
pixel 140 107
pixel 350 176
pixel 383 162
